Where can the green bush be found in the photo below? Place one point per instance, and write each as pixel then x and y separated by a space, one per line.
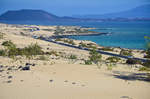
pixel 125 53
pixel 144 69
pixel 146 64
pixel 1 35
pixel 69 42
pixel 42 58
pixel 72 57
pixel 8 44
pixel 87 62
pixel 52 53
pixel 33 49
pixel 58 39
pixel 95 56
pixel 107 49
pixel 82 44
pixel 2 52
pixel 133 61
pixel 113 59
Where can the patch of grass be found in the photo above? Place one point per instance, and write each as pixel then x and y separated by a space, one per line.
pixel 109 66
pixel 52 53
pixel 82 44
pixel 47 29
pixel 1 35
pixel 69 42
pixel 146 64
pixel 8 44
pixel 95 56
pixel 88 62
pixel 126 53
pixel 32 49
pixel 58 39
pixel 72 57
pixel 113 59
pixel 133 61
pixel 107 49
pixel 42 58
pixel 29 51
pixel 144 69
pixel 89 45
pixel 2 53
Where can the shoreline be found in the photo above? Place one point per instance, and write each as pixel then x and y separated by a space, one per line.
pixel 54 69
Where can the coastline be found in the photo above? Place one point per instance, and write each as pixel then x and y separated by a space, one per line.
pixel 63 70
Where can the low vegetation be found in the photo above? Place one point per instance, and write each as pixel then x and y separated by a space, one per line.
pixel 8 44
pixel 146 64
pixel 87 62
pixel 95 57
pixel 107 49
pixel 72 57
pixel 113 59
pixel 42 57
pixel 147 47
pixel 126 52
pixel 133 61
pixel 11 50
pixel 89 45
pixel 52 53
pixel 1 35
pixel 144 69
pixel 69 41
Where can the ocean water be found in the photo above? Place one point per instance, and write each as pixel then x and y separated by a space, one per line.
pixel 122 34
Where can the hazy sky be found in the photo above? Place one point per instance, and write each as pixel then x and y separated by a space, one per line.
pixel 71 7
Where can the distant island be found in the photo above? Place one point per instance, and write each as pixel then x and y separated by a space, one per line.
pixel 137 14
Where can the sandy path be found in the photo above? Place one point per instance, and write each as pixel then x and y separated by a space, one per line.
pixel 71 82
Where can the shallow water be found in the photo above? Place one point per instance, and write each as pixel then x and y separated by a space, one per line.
pixel 122 34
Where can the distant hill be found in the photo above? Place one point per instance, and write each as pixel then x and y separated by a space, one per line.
pixel 138 12
pixel 27 14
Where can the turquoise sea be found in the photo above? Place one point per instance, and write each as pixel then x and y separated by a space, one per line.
pixel 122 34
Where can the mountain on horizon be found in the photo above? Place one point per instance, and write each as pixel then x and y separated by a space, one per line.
pixel 28 14
pixel 138 12
pixel 40 15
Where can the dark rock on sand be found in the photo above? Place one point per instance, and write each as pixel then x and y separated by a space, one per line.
pixel 9 77
pixel 33 64
pixel 51 80
pixel 26 68
pixel 1 70
pixel 9 68
pixel 73 83
pixel 9 81
pixel 20 67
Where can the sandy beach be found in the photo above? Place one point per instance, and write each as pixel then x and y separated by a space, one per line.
pixel 58 77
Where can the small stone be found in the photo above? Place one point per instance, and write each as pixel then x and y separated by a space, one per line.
pixel 51 80
pixel 21 80
pixel 26 68
pixel 9 77
pixel 19 67
pixel 27 64
pixel 1 70
pixel 33 64
pixel 127 97
pixel 1 66
pixel 73 83
pixel 66 81
pixel 9 68
pixel 9 81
